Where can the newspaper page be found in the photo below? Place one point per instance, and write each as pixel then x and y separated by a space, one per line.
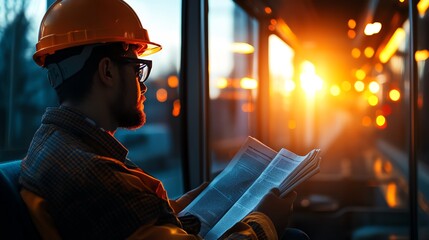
pixel 303 172
pixel 284 163
pixel 246 166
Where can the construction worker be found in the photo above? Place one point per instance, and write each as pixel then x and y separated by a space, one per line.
pixel 76 179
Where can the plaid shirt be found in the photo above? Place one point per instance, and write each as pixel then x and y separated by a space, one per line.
pixel 66 165
pixel 78 168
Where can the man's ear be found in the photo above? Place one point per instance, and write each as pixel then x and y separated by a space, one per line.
pixel 105 69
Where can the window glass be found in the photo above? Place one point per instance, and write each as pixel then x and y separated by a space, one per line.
pixel 24 89
pixel 363 132
pixel 233 79
pixel 282 85
pixel 364 135
pixel 391 124
pixel 391 132
pixel 156 147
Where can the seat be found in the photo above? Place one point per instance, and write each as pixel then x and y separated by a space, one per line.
pixel 15 220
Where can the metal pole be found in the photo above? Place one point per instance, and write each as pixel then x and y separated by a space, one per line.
pixel 194 95
pixel 413 189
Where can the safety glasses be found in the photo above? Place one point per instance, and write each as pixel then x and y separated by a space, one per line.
pixel 142 67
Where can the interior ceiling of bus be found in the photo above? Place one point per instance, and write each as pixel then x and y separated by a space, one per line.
pixel 321 27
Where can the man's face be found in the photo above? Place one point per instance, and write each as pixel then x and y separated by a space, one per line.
pixel 128 107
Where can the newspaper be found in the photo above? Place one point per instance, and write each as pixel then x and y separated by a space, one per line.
pixel 237 190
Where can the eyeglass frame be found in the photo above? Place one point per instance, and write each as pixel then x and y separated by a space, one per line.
pixel 142 62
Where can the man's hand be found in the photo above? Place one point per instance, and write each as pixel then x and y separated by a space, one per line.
pixel 180 203
pixel 278 209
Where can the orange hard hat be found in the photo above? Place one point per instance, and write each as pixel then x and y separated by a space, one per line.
pixel 70 23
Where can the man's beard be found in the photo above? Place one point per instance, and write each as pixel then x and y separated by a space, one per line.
pixel 130 118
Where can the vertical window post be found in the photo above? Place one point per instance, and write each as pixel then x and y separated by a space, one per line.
pixel 194 77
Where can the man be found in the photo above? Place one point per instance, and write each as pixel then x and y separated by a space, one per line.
pixel 76 180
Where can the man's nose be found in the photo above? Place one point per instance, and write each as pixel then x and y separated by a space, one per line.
pixel 143 88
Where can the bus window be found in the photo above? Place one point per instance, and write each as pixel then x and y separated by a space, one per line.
pixel 24 89
pixel 282 87
pixel 233 79
pixel 156 147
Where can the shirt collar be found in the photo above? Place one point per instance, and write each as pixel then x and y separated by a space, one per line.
pixel 77 123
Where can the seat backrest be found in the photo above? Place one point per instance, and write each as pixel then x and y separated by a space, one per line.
pixel 15 220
